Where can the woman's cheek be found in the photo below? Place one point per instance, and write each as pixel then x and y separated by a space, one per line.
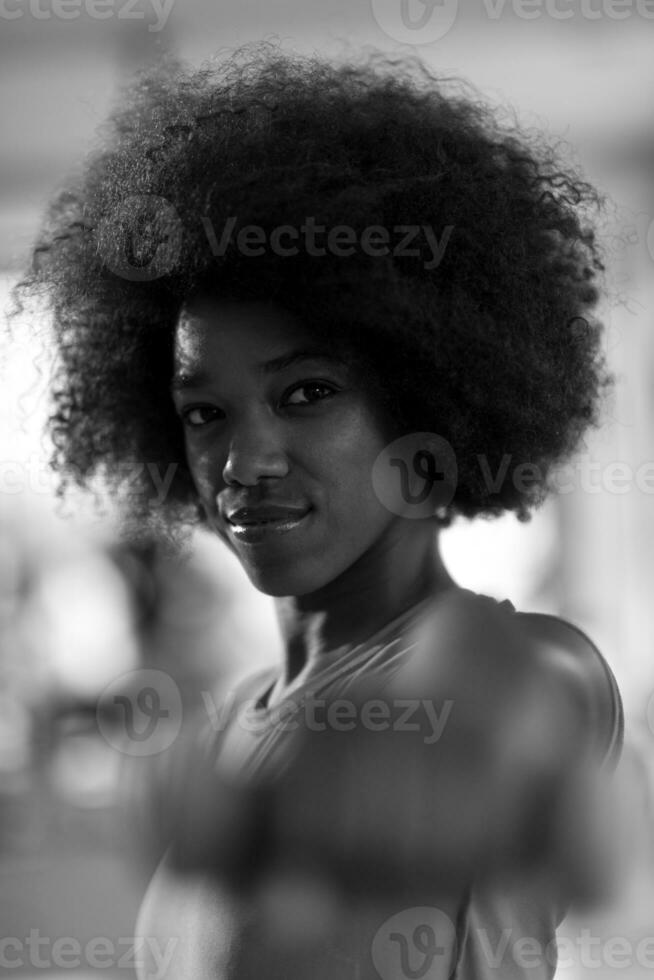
pixel 202 466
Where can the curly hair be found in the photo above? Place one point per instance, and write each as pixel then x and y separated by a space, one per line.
pixel 494 346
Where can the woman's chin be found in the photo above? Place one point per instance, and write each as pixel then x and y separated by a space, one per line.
pixel 285 583
pixel 293 577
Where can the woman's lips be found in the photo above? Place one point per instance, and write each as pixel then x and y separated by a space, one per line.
pixel 252 526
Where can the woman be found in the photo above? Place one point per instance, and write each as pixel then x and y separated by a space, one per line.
pixel 326 303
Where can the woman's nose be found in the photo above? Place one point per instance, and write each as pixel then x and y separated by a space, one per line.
pixel 255 452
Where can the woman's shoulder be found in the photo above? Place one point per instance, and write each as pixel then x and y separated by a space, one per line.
pixel 567 654
pixel 570 652
pixel 567 651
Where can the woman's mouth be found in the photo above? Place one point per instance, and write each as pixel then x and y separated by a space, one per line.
pixel 252 526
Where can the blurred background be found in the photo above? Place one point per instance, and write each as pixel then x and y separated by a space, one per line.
pixel 78 613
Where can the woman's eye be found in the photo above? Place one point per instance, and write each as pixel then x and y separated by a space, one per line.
pixel 309 392
pixel 198 415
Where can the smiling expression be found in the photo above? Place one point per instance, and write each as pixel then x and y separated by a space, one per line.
pixel 280 440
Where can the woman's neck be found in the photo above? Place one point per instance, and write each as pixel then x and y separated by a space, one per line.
pixel 396 574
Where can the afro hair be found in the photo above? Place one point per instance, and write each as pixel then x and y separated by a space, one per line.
pixel 492 344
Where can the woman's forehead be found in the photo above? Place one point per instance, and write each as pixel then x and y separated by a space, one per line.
pixel 223 331
pixel 206 319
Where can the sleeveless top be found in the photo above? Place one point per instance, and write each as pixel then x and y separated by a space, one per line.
pixel 191 923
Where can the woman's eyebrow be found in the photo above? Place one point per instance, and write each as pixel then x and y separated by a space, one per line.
pixel 200 378
pixel 285 360
pixel 186 380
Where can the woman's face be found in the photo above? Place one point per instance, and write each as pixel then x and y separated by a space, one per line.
pixel 280 440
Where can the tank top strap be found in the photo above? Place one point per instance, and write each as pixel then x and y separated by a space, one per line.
pixel 251 687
